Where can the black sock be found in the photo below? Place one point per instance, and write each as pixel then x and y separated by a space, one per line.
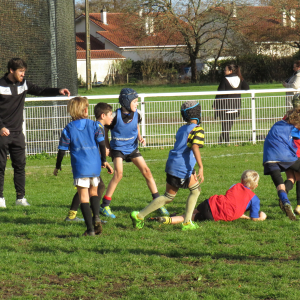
pixel 95 205
pixel 288 185
pixel 105 201
pixel 298 192
pixel 75 202
pixel 155 195
pixel 87 214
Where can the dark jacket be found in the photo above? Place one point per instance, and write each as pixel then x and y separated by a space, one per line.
pixel 229 104
pixel 12 99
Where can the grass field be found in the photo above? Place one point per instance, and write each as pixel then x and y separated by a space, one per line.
pixel 43 257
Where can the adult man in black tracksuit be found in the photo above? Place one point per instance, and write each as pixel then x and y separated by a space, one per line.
pixel 13 90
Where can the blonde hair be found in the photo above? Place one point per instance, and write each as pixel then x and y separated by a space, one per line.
pixel 250 179
pixel 76 107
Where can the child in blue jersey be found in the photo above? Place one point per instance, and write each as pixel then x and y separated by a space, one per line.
pixel 103 115
pixel 125 135
pixel 180 167
pixel 229 207
pixel 82 136
pixel 280 155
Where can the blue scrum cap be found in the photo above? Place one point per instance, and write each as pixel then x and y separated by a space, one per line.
pixel 191 110
pixel 126 96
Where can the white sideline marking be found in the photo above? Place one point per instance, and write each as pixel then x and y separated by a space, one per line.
pixel 153 160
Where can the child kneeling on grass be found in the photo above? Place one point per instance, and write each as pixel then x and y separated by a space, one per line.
pixel 103 115
pixel 180 167
pixel 81 137
pixel 229 207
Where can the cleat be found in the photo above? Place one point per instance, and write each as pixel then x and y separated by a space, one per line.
pixel 22 202
pixel 189 226
pixel 289 211
pixel 281 205
pixel 106 211
pixel 297 210
pixel 136 222
pixel 2 203
pixel 74 219
pixel 97 225
pixel 163 211
pixel 86 233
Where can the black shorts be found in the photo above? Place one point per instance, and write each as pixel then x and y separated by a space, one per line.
pixel 204 212
pixel 281 166
pixel 178 182
pixel 126 157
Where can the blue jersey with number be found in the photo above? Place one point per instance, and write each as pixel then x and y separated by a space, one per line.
pixel 279 145
pixel 124 135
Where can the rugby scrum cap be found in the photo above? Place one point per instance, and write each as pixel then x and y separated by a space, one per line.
pixel 296 101
pixel 191 110
pixel 126 97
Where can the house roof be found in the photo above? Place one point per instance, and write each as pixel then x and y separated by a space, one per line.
pixel 262 24
pixel 100 54
pixel 128 30
pixel 81 44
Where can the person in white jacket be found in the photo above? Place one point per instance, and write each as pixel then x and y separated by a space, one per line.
pixel 292 82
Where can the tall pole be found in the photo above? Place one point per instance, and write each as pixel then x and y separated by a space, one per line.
pixel 88 47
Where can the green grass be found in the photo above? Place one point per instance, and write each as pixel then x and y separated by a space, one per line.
pixel 180 88
pixel 43 257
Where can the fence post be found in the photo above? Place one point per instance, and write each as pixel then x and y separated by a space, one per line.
pixel 24 130
pixel 253 117
pixel 143 116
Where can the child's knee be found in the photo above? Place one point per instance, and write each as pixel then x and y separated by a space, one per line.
pixel 118 175
pixel 147 173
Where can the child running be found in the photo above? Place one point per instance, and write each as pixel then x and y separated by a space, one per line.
pixel 180 167
pixel 280 155
pixel 229 207
pixel 82 136
pixel 103 115
pixel 289 183
pixel 125 134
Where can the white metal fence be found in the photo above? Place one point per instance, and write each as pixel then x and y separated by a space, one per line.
pixel 161 117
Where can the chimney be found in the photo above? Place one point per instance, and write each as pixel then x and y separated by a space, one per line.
pixel 234 10
pixel 284 18
pixel 149 25
pixel 104 16
pixel 141 12
pixel 293 18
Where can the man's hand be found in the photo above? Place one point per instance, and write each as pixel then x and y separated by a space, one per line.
pixel 55 172
pixel 4 132
pixel 65 92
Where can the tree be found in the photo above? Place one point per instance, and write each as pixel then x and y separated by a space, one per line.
pixel 200 23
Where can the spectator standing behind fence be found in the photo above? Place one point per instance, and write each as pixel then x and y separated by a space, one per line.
pixel 13 90
pixel 292 82
pixel 227 107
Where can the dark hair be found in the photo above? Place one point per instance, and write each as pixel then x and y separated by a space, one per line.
pixel 297 63
pixel 235 70
pixel 16 63
pixel 101 108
